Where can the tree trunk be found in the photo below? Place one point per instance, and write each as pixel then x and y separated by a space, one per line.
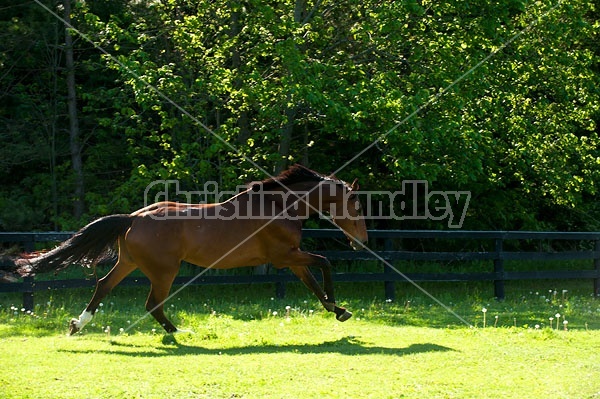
pixel 285 140
pixel 236 63
pixel 74 135
pixel 291 110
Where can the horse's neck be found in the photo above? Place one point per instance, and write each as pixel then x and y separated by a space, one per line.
pixel 287 198
pixel 315 195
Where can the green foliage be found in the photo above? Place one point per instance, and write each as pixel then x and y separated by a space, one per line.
pixel 217 90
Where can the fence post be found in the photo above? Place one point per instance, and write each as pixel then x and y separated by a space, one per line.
pixel 390 288
pixel 597 267
pixel 499 270
pixel 28 282
pixel 280 286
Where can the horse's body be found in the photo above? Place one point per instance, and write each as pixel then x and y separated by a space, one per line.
pixel 260 225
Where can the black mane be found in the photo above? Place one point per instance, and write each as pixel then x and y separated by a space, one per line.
pixel 293 175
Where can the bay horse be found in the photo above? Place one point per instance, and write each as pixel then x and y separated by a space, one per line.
pixel 262 224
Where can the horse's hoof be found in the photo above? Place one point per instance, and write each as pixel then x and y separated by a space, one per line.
pixel 73 327
pixel 344 316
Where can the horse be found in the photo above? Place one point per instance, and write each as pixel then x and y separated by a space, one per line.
pixel 262 224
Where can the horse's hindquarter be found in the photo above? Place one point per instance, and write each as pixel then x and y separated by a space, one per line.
pixel 153 240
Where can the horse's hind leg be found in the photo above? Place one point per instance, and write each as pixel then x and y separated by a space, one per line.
pixel 161 279
pixel 155 305
pixel 121 269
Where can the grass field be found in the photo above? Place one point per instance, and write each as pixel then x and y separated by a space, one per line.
pixel 248 345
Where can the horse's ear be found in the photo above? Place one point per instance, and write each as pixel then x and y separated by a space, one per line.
pixel 354 186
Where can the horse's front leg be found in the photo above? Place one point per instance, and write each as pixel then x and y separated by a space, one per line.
pixel 326 297
pixel 304 274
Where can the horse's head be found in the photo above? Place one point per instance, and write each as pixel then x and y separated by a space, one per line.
pixel 316 193
pixel 346 212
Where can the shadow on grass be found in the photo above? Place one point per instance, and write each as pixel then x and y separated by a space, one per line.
pixel 344 346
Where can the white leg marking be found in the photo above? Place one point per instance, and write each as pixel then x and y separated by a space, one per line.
pixel 178 331
pixel 84 318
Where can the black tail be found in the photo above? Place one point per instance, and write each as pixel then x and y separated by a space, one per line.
pixel 88 246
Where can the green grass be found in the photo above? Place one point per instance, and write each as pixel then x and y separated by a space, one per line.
pixel 249 345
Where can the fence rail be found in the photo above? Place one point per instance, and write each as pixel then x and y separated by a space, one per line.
pixel 386 257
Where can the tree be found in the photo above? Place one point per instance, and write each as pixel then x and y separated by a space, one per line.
pixel 74 135
pixel 270 83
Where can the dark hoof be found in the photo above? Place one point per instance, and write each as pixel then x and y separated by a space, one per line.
pixel 344 316
pixel 73 327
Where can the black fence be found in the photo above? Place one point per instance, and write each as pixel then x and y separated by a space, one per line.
pixel 581 246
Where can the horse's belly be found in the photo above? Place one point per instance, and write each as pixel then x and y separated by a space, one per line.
pixel 226 259
pixel 224 247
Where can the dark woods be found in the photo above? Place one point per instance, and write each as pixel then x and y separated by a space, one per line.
pixel 301 81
